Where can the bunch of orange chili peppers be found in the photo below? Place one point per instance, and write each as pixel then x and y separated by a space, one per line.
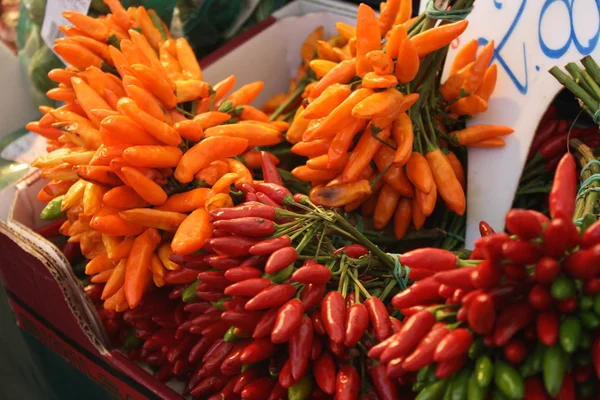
pixel 141 144
pixel 373 122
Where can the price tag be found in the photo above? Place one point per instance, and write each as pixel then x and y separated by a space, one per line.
pixel 53 17
pixel 530 36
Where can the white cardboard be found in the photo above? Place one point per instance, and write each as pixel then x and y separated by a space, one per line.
pixel 531 36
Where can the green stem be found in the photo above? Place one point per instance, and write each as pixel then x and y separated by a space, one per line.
pixel 578 91
pixel 592 68
pixel 387 289
pixel 283 106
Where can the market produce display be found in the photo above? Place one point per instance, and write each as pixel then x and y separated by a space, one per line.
pixel 214 267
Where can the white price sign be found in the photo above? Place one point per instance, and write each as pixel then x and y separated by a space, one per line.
pixel 530 36
pixel 53 17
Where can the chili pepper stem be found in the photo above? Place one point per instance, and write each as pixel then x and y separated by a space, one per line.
pixel 387 289
pixel 361 287
pixel 295 94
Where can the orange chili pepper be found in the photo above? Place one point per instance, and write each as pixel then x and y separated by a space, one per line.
pixel 347 31
pixel 450 89
pixel 331 97
pixel 146 102
pixel 305 173
pixel 246 94
pixel 213 172
pixel 212 118
pixel 224 183
pixel 153 126
pixel 325 51
pixel 186 201
pixel 313 148
pixel 470 105
pixel 146 188
pixel 137 271
pixel 221 89
pixel 343 139
pixel 164 252
pixel 120 61
pixel 418 217
pixel 97 174
pixel 419 173
pixel 373 81
pixel 191 90
pixel 426 201
pixel 205 152
pixel 368 37
pixel 464 56
pixel 402 217
pixel 363 153
pixel 99 264
pixel 61 75
pixel 121 130
pixel 48 133
pixel 434 39
pixel 255 134
pixel 447 184
pixel 341 73
pixel 153 156
pixel 77 55
pixel 96 47
pixel 102 277
pixel 152 34
pixel 189 129
pixel 108 221
pixel 342 194
pixel 57 188
pixel 157 85
pixel 145 47
pixel 457 168
pixel 402 131
pixel 252 159
pixel 381 63
pixel 388 15
pixel 237 167
pixel 119 13
pixel 488 85
pixel 408 63
pixel 397 36
pixel 88 98
pixel 477 133
pixel 169 62
pixel 367 208
pixel 158 271
pixel 253 114
pixel 394 175
pixel 339 117
pixel 92 27
pixel 123 197
pixel 382 104
pixel 121 250
pixel 475 74
pixel 151 218
pixel 187 59
pixel 404 12
pixel 92 199
pixel 192 233
pixel 101 114
pixel 219 200
pixel 66 95
pixel 491 142
pixel 321 67
pixel 324 163
pixel 387 202
pixel 116 280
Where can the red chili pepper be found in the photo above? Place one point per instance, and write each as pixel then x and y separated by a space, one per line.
pixel 347 383
pixel 547 327
pixel 216 330
pixel 591 236
pixel 316 348
pixel 180 276
pixel 546 270
pixel 258 350
pixel 562 196
pixel 181 349
pixel 510 321
pixel 269 246
pixel 567 389
pixel 191 261
pixel 515 272
pixel 534 389
pixel 258 389
pixel 353 250
pixel 450 367
pixel 423 353
pixel 162 337
pixel 592 286
pixel 491 246
pixel 239 274
pixel 280 259
pixel 445 291
pixel 254 262
pixel 485 229
pixel 94 291
pixel 51 229
pixel 481 314
pixel 286 379
pixel 315 273
pixel 333 314
pixel 248 288
pixel 275 192
pixel 453 345
pixel 419 293
pixel 210 384
pixel 264 327
pixel 380 318
pixel 205 319
pixel 357 322
pixel 554 146
pixel 396 325
pixel 540 298
pixel 254 210
pixel 515 351
pixel 71 251
pixel 272 296
pixel 583 264
pixel 339 350
pixel 242 319
pixel 264 199
pixel 288 320
pixel 459 278
pixel 234 303
pixel 245 378
pixel 247 226
pixel 199 349
pixel 214 279
pixel 251 197
pixel 568 306
pixel 521 251
pixel 232 364
pixel 523 224
pixel 582 373
pixel 430 258
pixel 560 235
pixel 269 170
pixel 386 388
pixel 596 356
pixel 413 330
pixel 317 321
pixel 311 295
pixel 226 392
pixel 417 274
pixel 300 347
pixel 165 373
pixel 278 392
pixel 232 245
pixel 486 275
pixel 544 132
pixel 324 373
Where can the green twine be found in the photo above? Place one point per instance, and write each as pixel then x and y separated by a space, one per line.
pixel 433 12
pixel 584 189
pixel 400 272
